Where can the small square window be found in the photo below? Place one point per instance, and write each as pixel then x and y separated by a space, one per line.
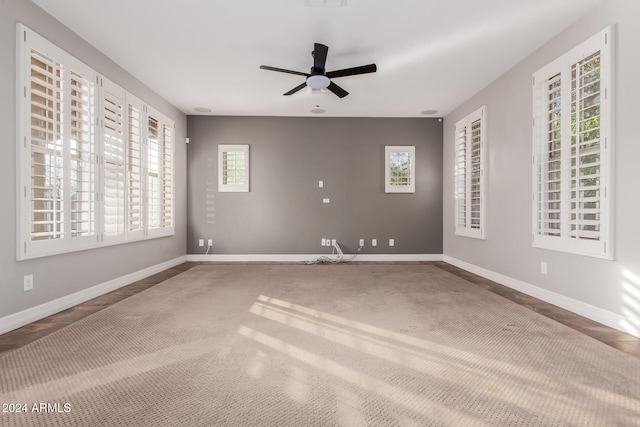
pixel 233 168
pixel 400 172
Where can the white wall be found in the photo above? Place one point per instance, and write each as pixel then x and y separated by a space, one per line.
pixel 607 291
pixel 59 276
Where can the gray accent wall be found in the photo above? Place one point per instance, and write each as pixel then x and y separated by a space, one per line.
pixel 61 275
pixel 284 211
pixel 610 289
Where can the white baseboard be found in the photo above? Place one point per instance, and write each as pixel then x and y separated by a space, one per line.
pixel 605 317
pixel 30 315
pixel 309 257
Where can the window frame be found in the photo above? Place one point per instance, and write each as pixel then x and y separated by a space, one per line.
pixel 463 179
pixel 233 188
pixel 602 247
pixel 389 151
pixel 77 112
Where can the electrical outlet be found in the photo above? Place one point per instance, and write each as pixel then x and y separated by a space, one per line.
pixel 333 242
pixel 374 242
pixel 210 242
pixel 361 242
pixel 392 242
pixel 320 184
pixel 543 267
pixel 28 282
pixel 327 242
pixel 201 242
pixel 323 242
pixel 326 200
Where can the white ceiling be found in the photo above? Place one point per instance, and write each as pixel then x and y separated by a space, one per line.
pixel 431 54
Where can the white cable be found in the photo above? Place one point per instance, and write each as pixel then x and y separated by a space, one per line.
pixel 338 260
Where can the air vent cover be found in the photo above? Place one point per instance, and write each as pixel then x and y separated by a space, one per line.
pixel 326 3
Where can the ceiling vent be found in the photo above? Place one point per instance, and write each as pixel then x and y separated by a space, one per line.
pixel 325 3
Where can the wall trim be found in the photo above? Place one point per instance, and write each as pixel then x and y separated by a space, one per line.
pixel 597 314
pixel 309 257
pixel 30 315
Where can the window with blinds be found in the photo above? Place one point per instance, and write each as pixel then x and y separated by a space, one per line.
pixel 134 169
pixel 400 172
pixel 95 163
pixel 82 155
pixel 46 149
pixel 114 159
pixel 153 173
pixel 167 185
pixel 572 151
pixel 470 147
pixel 159 173
pixel 233 168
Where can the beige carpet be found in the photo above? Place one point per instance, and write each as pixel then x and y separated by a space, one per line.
pixel 292 345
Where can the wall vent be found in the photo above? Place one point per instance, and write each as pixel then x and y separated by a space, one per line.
pixel 325 3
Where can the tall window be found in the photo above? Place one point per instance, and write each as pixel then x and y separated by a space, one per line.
pixel 159 167
pixel 470 188
pixel 233 168
pixel 57 149
pixel 572 157
pixel 135 199
pixel 84 176
pixel 114 164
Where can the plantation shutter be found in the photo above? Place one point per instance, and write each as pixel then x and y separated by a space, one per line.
pixel 82 154
pixel 135 153
pixel 571 159
pixel 167 195
pixel 114 158
pixel 95 164
pixel 233 168
pixel 549 171
pixel 585 149
pixel 58 160
pixel 46 148
pixel 461 176
pixel 159 174
pixel 154 148
pixel 469 174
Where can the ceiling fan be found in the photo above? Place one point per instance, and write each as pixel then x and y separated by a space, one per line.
pixel 318 78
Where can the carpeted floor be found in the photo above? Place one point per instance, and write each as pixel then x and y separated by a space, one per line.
pixel 292 345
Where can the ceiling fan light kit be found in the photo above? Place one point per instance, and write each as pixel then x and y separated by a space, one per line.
pixel 319 78
pixel 318 82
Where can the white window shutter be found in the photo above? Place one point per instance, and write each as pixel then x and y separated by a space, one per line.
pixel 95 164
pixel 82 153
pixel 233 168
pixel 57 166
pixel 571 160
pixel 46 148
pixel 585 200
pixel 167 195
pixel 470 188
pixel 135 161
pixel 154 148
pixel 160 174
pixel 114 153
